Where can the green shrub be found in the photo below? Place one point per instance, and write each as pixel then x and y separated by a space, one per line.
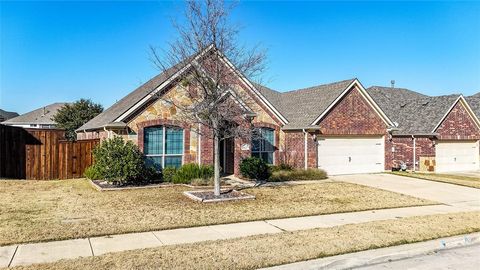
pixel 92 173
pixel 297 174
pixel 168 174
pixel 255 168
pixel 281 167
pixel 120 162
pixel 191 171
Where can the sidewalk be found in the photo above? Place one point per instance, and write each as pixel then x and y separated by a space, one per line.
pixel 25 254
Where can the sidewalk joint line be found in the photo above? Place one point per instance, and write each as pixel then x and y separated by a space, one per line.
pixel 158 238
pixel 281 229
pixel 91 248
pixel 13 256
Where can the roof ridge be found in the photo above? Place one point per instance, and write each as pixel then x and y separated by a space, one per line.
pixel 317 86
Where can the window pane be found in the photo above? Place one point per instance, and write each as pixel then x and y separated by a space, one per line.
pixel 174 140
pixel 257 155
pixel 255 145
pixel 155 162
pixel 153 141
pixel 268 135
pixel 267 157
pixel 173 162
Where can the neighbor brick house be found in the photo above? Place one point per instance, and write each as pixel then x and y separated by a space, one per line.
pixel 340 127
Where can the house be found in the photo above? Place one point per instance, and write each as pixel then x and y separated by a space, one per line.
pixel 5 115
pixel 340 127
pixel 39 118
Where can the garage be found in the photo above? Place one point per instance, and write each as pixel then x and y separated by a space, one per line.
pixel 351 155
pixel 454 156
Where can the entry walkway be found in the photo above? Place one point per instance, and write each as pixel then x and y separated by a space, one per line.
pixel 455 199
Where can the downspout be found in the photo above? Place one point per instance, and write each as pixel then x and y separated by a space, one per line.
pixel 305 148
pixel 199 152
pixel 414 152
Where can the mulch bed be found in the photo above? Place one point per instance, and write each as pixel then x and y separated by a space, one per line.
pixel 225 195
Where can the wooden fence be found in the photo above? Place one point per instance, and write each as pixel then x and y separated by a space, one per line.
pixel 42 154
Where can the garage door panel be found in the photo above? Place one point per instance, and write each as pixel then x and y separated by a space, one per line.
pixel 350 155
pixel 457 156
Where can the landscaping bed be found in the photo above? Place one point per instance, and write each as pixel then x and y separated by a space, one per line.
pixel 462 180
pixel 268 250
pixel 226 195
pixel 35 211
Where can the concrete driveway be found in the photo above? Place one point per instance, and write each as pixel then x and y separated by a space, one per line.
pixel 462 197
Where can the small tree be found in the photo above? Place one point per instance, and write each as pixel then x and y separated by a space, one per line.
pixel 206 48
pixel 74 115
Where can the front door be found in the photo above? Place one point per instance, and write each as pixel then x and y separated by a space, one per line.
pixel 227 151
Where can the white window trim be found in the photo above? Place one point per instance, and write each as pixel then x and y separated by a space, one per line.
pixel 274 143
pixel 163 155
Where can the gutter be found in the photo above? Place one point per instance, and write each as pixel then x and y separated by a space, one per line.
pixel 414 153
pixel 305 148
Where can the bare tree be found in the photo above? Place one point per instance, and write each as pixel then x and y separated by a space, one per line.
pixel 211 60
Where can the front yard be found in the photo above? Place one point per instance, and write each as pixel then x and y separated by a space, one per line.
pixel 267 250
pixel 457 179
pixel 35 211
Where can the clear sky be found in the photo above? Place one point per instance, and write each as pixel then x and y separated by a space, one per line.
pixel 63 51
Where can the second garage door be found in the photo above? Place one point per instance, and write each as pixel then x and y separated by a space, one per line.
pixel 456 156
pixel 350 155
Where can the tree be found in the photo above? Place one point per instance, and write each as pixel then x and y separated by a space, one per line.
pixel 211 59
pixel 74 115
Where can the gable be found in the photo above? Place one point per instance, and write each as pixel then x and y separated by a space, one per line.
pixel 352 115
pixel 458 124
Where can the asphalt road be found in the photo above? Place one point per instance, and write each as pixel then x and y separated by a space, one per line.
pixel 463 258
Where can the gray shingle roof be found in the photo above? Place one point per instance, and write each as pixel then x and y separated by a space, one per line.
pixel 415 113
pixel 5 115
pixel 41 115
pixel 121 106
pixel 474 102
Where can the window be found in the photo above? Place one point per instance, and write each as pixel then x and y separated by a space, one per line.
pixel 263 144
pixel 163 147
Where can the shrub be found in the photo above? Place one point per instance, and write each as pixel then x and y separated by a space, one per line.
pixel 281 167
pixel 191 171
pixel 168 174
pixel 120 162
pixel 92 173
pixel 295 175
pixel 255 168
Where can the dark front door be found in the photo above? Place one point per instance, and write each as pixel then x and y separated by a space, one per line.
pixel 227 154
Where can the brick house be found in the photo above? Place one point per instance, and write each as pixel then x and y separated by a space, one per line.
pixel 340 127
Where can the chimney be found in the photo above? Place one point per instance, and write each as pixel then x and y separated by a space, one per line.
pixel 392 82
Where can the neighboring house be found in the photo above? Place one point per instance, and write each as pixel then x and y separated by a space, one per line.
pixel 5 115
pixel 39 118
pixel 340 127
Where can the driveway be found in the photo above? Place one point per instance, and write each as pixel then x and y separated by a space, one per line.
pixel 464 198
pixel 470 174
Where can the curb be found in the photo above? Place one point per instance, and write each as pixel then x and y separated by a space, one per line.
pixel 388 254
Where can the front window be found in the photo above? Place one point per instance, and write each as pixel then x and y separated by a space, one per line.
pixel 163 147
pixel 263 144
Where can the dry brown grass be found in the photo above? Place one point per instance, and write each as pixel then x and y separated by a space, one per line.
pixel 33 211
pixel 268 250
pixel 462 180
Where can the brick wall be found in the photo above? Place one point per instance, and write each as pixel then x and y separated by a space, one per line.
pixel 403 151
pixel 458 125
pixel 353 115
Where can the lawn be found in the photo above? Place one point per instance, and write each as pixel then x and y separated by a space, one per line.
pixel 462 180
pixel 35 211
pixel 268 250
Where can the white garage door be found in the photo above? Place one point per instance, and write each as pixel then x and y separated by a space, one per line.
pixel 456 156
pixel 349 155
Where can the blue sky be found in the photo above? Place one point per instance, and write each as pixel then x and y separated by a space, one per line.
pixel 63 51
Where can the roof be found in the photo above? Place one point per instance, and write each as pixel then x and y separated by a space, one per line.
pixel 301 107
pixel 415 113
pixel 474 102
pixel 5 115
pixel 116 110
pixel 41 115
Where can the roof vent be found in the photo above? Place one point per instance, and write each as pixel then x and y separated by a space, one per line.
pixel 392 82
pixel 425 103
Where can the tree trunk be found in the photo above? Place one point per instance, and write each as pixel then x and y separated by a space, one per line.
pixel 216 143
